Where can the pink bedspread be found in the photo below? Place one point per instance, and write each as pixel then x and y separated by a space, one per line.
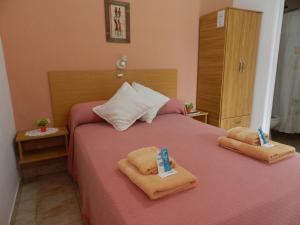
pixel 232 189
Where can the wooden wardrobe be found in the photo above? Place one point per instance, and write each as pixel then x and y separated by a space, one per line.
pixel 228 43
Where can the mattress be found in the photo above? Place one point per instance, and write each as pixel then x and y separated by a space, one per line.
pixel 232 189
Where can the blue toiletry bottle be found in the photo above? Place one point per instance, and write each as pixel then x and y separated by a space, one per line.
pixel 262 135
pixel 165 158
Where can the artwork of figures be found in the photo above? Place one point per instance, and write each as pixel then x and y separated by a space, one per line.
pixel 117 21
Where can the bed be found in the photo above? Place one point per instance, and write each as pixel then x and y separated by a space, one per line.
pixel 232 189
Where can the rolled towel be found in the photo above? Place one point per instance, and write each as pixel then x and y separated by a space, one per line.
pixel 144 159
pixel 244 134
pixel 156 187
pixel 268 155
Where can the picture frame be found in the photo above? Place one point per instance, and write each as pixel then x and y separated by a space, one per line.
pixel 117 21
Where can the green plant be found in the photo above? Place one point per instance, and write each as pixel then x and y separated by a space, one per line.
pixel 189 106
pixel 43 122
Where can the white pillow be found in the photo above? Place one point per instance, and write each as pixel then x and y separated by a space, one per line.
pixel 124 108
pixel 152 98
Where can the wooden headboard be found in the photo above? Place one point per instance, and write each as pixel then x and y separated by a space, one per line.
pixel 70 87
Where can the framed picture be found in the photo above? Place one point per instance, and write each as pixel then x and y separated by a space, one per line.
pixel 117 21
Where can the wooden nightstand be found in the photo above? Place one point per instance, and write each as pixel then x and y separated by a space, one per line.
pixel 199 115
pixel 41 155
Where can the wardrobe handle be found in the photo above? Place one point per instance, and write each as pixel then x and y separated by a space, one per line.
pixel 238 122
pixel 241 66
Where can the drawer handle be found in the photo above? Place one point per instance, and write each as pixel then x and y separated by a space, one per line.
pixel 237 122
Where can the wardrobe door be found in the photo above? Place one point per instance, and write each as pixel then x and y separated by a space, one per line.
pixel 231 88
pixel 248 55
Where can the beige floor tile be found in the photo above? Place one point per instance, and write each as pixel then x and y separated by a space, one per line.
pixel 50 200
pixel 26 213
pixel 29 191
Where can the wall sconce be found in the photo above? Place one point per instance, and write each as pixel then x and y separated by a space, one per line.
pixel 121 65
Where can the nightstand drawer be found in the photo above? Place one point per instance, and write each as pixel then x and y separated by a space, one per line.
pixel 30 171
pixel 43 143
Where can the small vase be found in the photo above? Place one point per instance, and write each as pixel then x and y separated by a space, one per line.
pixel 43 129
pixel 189 110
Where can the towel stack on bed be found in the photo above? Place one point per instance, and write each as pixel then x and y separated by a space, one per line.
pixel 140 167
pixel 245 141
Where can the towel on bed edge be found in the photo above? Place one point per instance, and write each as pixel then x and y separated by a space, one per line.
pixel 244 134
pixel 268 155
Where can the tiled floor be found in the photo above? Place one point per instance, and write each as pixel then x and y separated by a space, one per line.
pixel 50 200
pixel 289 139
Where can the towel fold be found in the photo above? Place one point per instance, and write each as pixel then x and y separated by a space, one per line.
pixel 156 187
pixel 268 155
pixel 144 159
pixel 244 134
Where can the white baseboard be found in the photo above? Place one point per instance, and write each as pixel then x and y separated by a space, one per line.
pixel 11 214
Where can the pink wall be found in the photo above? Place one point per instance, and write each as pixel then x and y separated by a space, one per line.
pixel 39 36
pixel 211 5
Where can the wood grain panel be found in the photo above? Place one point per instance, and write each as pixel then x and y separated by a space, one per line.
pixel 70 87
pixel 248 54
pixel 210 66
pixel 241 121
pixel 231 90
pixel 240 65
